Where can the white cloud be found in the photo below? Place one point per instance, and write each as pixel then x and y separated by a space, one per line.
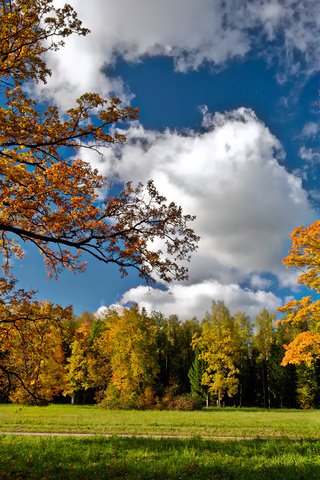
pixel 195 300
pixel 230 177
pixel 315 195
pixel 192 32
pixel 270 14
pixel 309 154
pixel 245 201
pixel 288 299
pixel 311 130
pixel 103 310
pixel 257 281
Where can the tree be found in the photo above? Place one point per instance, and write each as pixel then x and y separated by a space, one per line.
pixel 130 342
pixel 263 341
pixel 219 351
pixel 282 378
pixel 87 368
pixel 31 350
pixel 305 313
pixel 244 339
pixel 175 352
pixel 195 374
pixel 304 348
pixel 51 198
pixel 48 196
pixel 308 385
pixel 301 352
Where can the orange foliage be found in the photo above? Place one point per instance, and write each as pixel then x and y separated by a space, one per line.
pixel 305 313
pixel 48 197
pixel 304 348
pixel 305 254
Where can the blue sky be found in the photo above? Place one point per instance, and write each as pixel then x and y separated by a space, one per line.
pixel 226 92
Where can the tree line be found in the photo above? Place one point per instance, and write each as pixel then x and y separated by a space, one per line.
pixel 130 359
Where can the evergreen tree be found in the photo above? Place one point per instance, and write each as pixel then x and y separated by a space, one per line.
pixel 195 375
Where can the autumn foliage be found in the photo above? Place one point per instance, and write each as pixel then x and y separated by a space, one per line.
pixel 304 314
pixel 127 358
pixel 31 346
pixel 51 198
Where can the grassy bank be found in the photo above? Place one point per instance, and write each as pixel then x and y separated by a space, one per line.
pixel 254 423
pixel 132 458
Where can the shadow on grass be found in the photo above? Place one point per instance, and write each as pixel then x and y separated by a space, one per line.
pixel 98 458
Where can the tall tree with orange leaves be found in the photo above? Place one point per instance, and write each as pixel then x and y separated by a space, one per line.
pixel 51 198
pixel 304 314
pixel 48 196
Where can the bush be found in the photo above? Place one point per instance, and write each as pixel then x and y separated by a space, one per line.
pixel 148 399
pixel 119 403
pixel 184 402
pixel 181 402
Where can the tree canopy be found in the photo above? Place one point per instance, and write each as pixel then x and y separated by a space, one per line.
pixel 304 314
pixel 53 199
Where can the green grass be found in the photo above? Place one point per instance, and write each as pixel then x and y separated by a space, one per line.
pixel 250 423
pixel 98 458
pixel 286 444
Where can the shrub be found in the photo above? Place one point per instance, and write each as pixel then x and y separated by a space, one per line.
pixel 184 402
pixel 119 403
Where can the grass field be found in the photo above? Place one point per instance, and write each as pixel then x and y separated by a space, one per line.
pixel 229 422
pixel 100 458
pixel 294 455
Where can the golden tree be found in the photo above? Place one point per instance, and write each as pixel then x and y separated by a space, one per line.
pixel 304 314
pixel 51 198
pixel 219 349
pixel 31 347
pixel 130 342
pixel 88 368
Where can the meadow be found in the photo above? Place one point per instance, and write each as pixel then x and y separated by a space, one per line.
pixel 249 444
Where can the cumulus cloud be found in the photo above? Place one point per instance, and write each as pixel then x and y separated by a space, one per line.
pixel 191 32
pixel 231 178
pixel 105 310
pixel 246 204
pixel 196 299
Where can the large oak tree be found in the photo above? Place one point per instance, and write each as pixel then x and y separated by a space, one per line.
pixel 52 198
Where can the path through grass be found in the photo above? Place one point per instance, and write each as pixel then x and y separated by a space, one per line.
pixel 286 445
pixel 248 423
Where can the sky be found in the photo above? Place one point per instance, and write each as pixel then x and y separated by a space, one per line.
pixel 229 130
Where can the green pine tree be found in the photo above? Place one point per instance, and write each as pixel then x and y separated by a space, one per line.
pixel 195 374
